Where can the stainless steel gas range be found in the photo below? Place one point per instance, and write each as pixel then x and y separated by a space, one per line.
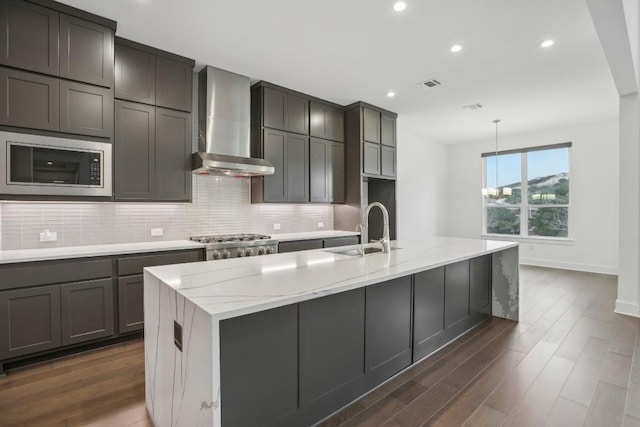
pixel 237 245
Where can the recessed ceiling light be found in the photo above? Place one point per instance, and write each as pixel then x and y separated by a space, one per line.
pixel 456 48
pixel 547 43
pixel 391 94
pixel 399 6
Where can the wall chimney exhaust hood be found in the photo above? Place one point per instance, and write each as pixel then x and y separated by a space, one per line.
pixel 224 116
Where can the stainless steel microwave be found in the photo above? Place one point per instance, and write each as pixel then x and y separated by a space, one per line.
pixel 50 166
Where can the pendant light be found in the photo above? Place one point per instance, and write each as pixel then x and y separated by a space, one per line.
pixel 494 192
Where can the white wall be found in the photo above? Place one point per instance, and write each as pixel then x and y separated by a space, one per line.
pixel 420 187
pixel 593 215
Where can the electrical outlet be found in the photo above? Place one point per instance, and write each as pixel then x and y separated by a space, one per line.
pixel 156 232
pixel 276 226
pixel 321 225
pixel 48 236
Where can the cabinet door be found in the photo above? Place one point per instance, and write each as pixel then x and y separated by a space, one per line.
pixel 174 81
pixel 428 312
pixel 259 367
pixel 297 168
pixel 318 120
pixel 274 109
pixel 297 114
pixel 29 37
pixel 135 78
pixel 371 125
pixel 336 173
pixel 336 124
pixel 135 162
pixel 456 299
pixel 480 285
pixel 87 311
pixel 329 378
pixel 388 161
pixel 29 321
pixel 86 51
pixel 86 109
pixel 371 158
pixel 319 170
pixel 388 329
pixel 131 303
pixel 275 151
pixel 173 155
pixel 29 100
pixel 388 130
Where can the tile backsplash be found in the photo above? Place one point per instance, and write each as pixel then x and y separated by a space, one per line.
pixel 220 205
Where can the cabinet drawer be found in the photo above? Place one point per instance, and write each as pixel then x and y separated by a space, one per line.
pixel 135 264
pixel 341 241
pixel 49 272
pixel 299 245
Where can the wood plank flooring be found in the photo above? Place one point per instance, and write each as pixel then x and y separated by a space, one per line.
pixel 570 361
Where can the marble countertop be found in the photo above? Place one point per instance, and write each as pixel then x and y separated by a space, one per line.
pixel 324 234
pixel 28 255
pixel 238 286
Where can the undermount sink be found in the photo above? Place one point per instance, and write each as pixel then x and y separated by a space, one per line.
pixel 356 252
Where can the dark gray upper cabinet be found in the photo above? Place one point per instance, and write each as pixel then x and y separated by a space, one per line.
pixel 371 125
pixel 388 130
pixel 29 321
pixel 29 37
pixel 135 162
pixel 87 311
pixel 371 158
pixel 456 306
pixel 285 111
pixel 86 51
pixel 173 155
pixel 337 177
pixel 388 329
pixel 289 154
pixel 135 75
pixel 388 161
pixel 29 100
pixel 86 109
pixel 174 81
pixel 261 369
pixel 326 171
pixel 428 312
pixel 326 122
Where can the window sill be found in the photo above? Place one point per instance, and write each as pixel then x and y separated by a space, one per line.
pixel 544 240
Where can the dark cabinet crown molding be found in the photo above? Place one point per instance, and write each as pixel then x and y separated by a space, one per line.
pixel 262 83
pixel 361 104
pixel 78 13
pixel 119 41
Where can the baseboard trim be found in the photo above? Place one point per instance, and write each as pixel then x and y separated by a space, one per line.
pixel 589 268
pixel 628 308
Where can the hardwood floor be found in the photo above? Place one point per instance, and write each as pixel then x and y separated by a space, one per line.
pixel 570 361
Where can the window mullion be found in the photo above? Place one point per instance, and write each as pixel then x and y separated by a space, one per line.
pixel 524 200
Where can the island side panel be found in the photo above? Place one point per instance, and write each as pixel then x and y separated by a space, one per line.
pixel 178 383
pixel 506 284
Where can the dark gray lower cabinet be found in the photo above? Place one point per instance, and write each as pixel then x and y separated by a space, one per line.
pixel 259 367
pixel 388 329
pixel 480 286
pixel 131 303
pixel 299 245
pixel 86 109
pixel 456 294
pixel 428 312
pixel 29 321
pixel 340 241
pixel 87 310
pixel 332 351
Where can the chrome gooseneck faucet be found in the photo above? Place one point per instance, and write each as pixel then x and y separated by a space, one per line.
pixel 385 240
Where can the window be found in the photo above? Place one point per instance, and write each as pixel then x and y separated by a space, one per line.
pixel 540 207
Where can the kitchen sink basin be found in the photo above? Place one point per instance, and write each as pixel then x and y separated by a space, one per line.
pixel 356 252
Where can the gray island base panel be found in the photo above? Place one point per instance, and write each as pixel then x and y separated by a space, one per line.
pixel 262 321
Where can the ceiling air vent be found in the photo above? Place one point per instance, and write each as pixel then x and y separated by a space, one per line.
pixel 429 83
pixel 472 106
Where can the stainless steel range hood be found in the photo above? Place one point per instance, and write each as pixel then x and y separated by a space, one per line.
pixel 224 108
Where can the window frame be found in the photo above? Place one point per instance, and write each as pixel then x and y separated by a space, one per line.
pixel 524 204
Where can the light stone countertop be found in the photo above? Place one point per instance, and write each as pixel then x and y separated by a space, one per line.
pixel 29 255
pixel 238 286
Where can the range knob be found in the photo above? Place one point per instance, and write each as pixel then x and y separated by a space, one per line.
pixel 269 250
pixel 240 253
pixel 217 255
pixel 226 254
pixel 248 252
pixel 261 251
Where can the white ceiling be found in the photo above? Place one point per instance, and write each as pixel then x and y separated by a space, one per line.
pixel 349 50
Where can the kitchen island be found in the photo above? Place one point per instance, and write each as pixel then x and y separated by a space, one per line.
pixel 288 339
